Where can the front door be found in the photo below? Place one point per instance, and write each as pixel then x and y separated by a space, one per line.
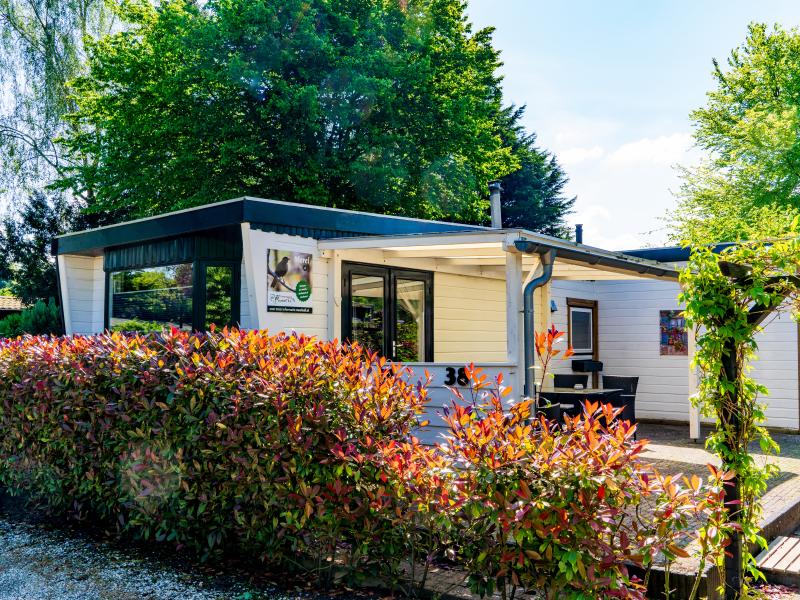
pixel 389 311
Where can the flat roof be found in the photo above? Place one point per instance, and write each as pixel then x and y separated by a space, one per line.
pixel 671 253
pixel 300 219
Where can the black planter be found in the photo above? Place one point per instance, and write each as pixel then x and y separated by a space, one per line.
pixel 551 412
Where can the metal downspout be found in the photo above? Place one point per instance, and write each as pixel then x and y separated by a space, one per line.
pixel 548 257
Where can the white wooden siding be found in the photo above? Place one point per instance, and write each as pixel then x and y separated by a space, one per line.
pixel 628 319
pixel 469 319
pixel 245 316
pixel 777 369
pixel 441 395
pixel 85 281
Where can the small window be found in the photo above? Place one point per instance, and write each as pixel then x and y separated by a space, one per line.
pixel 580 330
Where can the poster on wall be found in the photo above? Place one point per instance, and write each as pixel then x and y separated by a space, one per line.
pixel 288 281
pixel 674 337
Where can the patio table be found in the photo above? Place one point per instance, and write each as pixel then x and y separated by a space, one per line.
pixel 571 400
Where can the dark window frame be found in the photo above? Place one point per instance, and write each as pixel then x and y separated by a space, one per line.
pixel 595 353
pixel 198 290
pixel 390 276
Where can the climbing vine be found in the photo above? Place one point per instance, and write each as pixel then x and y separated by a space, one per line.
pixel 729 297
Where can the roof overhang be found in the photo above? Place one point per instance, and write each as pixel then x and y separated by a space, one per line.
pixel 487 249
pixel 301 219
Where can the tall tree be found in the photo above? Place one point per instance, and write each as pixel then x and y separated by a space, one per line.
pixel 385 105
pixel 25 241
pixel 533 195
pixel 749 184
pixel 41 50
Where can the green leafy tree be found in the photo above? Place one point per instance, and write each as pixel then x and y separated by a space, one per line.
pixel 385 105
pixel 749 184
pixel 25 238
pixel 533 195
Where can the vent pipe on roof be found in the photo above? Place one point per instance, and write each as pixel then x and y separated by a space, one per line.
pixel 494 197
pixel 579 233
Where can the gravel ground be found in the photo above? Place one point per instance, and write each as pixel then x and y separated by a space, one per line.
pixel 41 564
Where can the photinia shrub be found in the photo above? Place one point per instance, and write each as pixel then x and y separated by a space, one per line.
pixel 566 509
pixel 302 452
pixel 274 445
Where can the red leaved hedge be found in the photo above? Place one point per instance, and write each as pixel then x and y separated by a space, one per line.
pixel 302 452
pixel 210 440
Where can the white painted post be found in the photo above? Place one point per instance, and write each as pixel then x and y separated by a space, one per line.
pixel 250 274
pixel 514 324
pixel 334 294
pixel 694 413
pixel 65 304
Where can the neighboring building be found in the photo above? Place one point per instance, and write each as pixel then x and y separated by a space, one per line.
pixel 432 294
pixel 10 305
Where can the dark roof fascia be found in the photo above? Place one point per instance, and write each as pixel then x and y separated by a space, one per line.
pixel 594 257
pixel 246 210
pixel 671 253
pixel 204 218
pixel 345 221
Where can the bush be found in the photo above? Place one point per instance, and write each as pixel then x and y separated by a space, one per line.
pixel 269 445
pixel 11 326
pixel 300 451
pixel 565 509
pixel 138 326
pixel 39 319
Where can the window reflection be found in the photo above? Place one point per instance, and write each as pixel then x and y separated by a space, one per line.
pixel 219 294
pixel 153 296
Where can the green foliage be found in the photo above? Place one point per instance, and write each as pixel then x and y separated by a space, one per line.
pixel 750 128
pixel 137 325
pixel 533 194
pixel 363 104
pixel 11 326
pixel 26 233
pixel 41 50
pixel 721 309
pixel 39 319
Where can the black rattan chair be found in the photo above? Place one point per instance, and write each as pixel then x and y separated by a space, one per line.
pixel 570 381
pixel 627 398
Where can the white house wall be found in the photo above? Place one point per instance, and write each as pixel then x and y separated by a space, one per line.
pixel 629 336
pixel 314 323
pixel 469 319
pixel 84 280
pixel 777 369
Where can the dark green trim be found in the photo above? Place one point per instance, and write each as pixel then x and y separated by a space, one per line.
pixel 200 300
pixel 217 244
pixel 270 215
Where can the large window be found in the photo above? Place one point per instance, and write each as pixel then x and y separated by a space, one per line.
pixel 389 311
pixel 154 295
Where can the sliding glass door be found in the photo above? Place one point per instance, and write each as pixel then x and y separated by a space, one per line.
pixel 389 311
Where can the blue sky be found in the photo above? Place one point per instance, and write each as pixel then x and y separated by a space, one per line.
pixel 609 86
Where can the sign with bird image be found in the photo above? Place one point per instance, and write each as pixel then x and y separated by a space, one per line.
pixel 288 281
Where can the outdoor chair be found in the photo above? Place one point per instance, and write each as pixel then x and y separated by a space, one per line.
pixel 570 381
pixel 627 398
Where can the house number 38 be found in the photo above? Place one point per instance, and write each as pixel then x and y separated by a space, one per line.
pixel 456 377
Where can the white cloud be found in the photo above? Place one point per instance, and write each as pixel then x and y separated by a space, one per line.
pixel 573 156
pixel 665 150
